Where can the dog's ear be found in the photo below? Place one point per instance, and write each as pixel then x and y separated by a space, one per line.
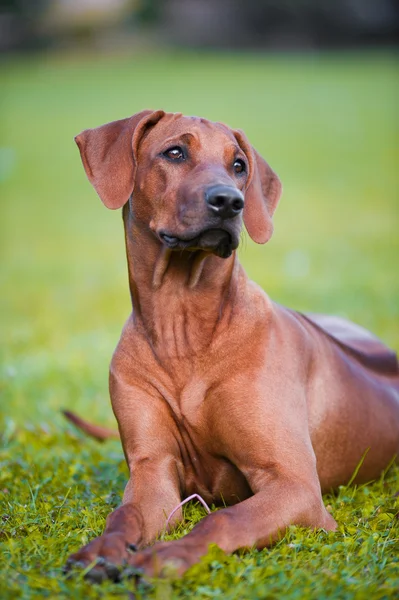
pixel 262 193
pixel 109 155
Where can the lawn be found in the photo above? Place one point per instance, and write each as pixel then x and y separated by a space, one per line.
pixel 328 125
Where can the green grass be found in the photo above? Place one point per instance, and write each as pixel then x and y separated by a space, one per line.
pixel 328 125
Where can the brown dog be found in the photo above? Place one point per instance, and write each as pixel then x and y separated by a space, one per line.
pixel 216 389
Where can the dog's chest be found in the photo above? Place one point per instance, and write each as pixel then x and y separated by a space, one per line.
pixel 206 472
pixel 214 477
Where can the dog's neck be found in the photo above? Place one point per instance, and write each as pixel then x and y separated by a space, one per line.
pixel 180 300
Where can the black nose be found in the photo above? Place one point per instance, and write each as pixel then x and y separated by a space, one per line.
pixel 224 201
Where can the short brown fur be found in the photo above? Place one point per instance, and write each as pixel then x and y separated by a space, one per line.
pixel 216 389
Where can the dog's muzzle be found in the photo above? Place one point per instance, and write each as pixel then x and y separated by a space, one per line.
pixel 221 233
pixel 215 240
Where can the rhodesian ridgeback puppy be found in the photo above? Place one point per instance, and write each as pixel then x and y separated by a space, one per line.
pixel 216 389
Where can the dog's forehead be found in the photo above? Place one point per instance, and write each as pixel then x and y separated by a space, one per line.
pixel 205 131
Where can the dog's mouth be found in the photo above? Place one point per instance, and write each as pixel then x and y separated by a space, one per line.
pixel 217 241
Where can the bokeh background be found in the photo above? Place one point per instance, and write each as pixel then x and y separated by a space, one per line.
pixel 312 83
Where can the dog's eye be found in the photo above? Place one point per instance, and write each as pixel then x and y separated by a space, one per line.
pixel 239 166
pixel 175 153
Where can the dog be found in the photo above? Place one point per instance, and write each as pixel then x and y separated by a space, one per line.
pixel 216 389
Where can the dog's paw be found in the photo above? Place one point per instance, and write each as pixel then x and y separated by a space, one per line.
pixel 103 558
pixel 164 559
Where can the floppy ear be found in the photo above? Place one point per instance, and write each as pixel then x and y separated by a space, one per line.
pixel 262 194
pixel 109 155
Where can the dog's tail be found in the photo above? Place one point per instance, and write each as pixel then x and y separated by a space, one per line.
pixel 96 431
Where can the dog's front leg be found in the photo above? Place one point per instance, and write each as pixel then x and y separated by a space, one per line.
pixel 274 453
pixel 255 523
pixel 141 518
pixel 152 492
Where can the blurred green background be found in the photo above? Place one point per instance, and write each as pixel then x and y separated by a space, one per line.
pixel 314 86
pixel 328 125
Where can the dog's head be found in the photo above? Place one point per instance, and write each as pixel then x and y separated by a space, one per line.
pixel 190 181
